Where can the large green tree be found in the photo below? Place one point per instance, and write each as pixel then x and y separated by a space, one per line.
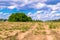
pixel 19 17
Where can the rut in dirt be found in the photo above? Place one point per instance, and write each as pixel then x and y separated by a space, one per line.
pixel 49 35
pixel 23 35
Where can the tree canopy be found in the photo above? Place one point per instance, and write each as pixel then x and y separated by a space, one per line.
pixel 19 17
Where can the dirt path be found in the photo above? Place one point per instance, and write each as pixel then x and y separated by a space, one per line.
pixel 21 36
pixel 49 36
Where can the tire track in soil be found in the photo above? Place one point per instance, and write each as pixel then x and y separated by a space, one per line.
pixel 49 35
pixel 21 36
pixel 57 35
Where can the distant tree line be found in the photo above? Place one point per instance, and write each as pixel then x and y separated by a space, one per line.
pixel 22 17
pixel 3 19
pixel 37 21
pixel 56 20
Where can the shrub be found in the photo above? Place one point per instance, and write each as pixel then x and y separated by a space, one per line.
pixel 52 26
pixel 19 17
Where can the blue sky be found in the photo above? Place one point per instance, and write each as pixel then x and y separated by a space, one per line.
pixel 36 9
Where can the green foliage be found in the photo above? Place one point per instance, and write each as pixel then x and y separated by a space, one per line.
pixel 56 20
pixel 3 20
pixel 40 27
pixel 1 29
pixel 52 26
pixel 35 32
pixel 19 17
pixel 37 21
pixel 24 28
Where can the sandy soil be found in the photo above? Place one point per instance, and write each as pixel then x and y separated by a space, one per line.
pixel 50 34
pixel 28 35
pixel 22 35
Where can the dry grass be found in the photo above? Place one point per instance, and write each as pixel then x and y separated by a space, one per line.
pixel 10 30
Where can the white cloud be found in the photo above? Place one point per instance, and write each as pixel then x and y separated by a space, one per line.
pixel 30 14
pixel 22 3
pixel 54 7
pixel 35 4
pixel 39 5
pixel 4 15
pixel 45 16
pixel 29 1
pixel 11 7
pixel 1 13
pixel 39 11
pixel 35 16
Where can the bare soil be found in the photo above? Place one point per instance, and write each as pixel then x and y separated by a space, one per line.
pixel 31 34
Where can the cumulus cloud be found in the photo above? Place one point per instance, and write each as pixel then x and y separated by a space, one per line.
pixel 43 11
pixel 4 15
pixel 1 13
pixel 54 7
pixel 11 7
pixel 45 16
pixel 21 3
pixel 36 4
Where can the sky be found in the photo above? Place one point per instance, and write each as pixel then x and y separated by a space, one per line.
pixel 36 9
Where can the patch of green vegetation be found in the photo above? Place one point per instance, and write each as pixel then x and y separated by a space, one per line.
pixel 24 28
pixel 22 17
pixel 40 27
pixel 35 32
pixel 9 38
pixel 0 29
pixel 13 38
pixel 52 26
pixel 15 28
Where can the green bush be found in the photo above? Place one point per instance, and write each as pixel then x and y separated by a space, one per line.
pixel 24 28
pixel 19 17
pixel 52 26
